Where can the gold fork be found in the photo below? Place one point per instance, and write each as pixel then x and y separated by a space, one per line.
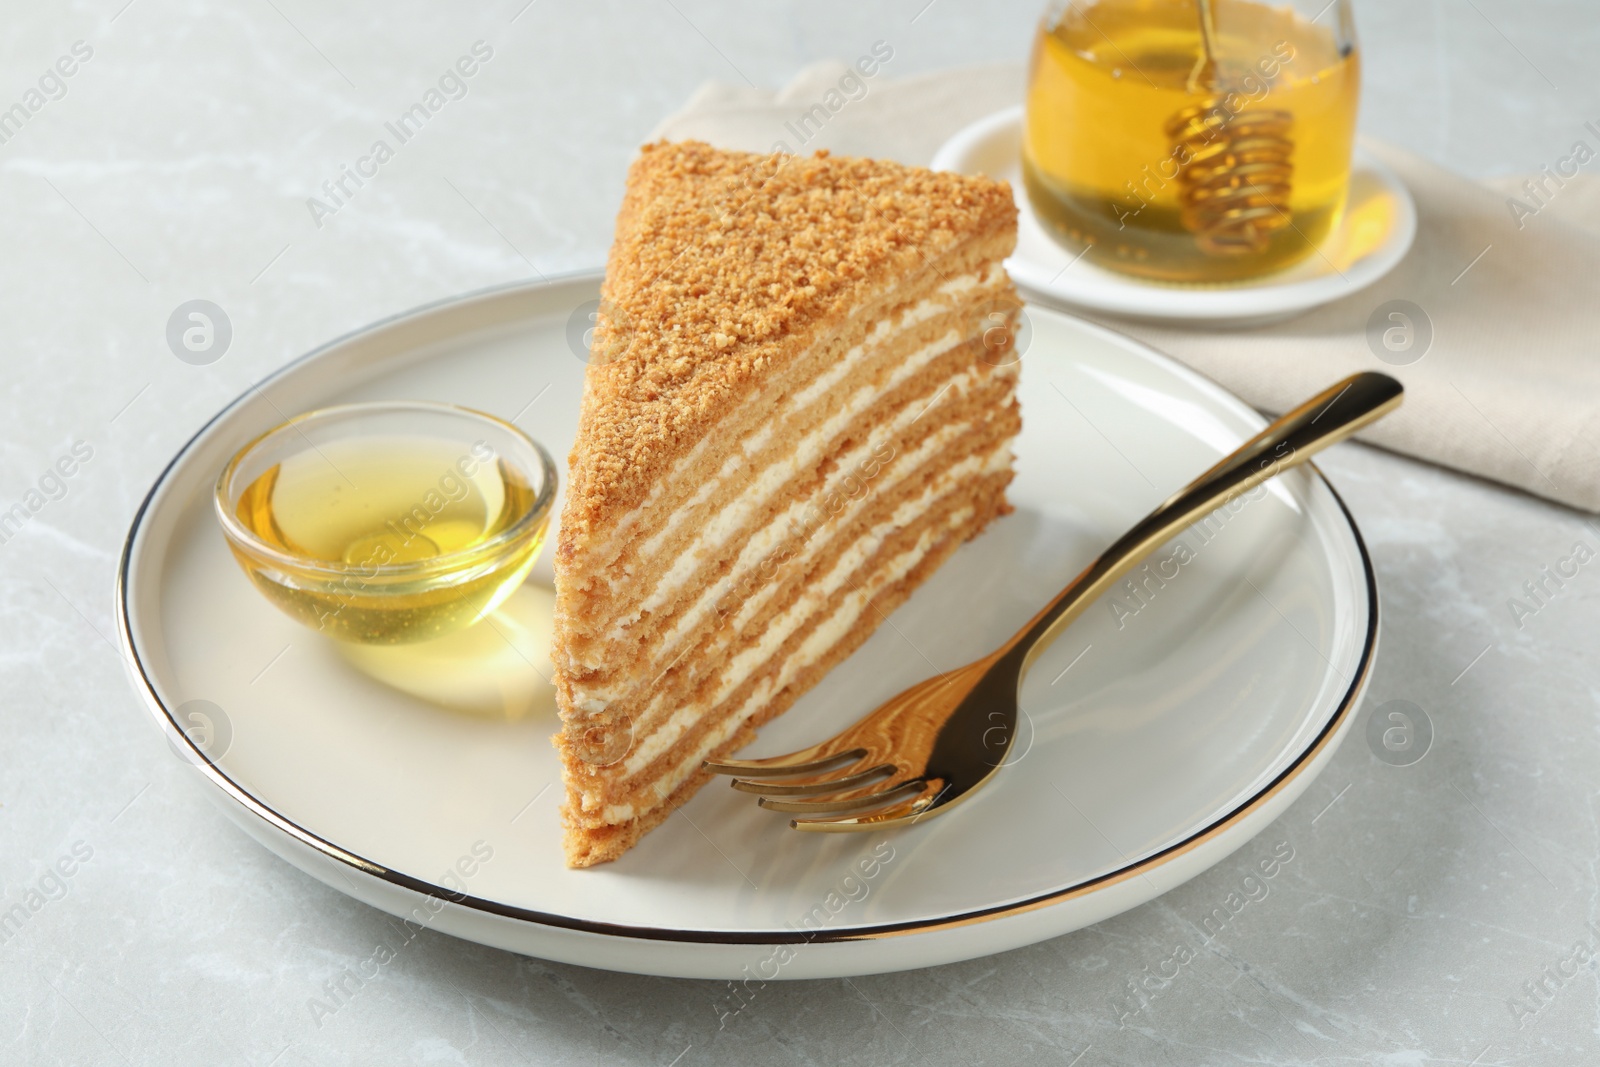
pixel 935 744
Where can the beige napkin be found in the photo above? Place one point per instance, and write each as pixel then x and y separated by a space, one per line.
pixel 1508 388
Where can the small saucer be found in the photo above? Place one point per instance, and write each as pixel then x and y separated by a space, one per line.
pixel 1378 227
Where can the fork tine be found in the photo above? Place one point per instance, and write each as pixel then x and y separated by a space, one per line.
pixel 806 761
pixel 812 788
pixel 847 805
pixel 906 812
pixel 858 823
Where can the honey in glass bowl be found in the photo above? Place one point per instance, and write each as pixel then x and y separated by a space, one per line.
pixel 1191 140
pixel 388 523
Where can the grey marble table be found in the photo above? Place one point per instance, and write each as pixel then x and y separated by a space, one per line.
pixel 1443 912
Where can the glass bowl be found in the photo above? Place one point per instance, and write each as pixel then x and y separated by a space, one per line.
pixel 390 522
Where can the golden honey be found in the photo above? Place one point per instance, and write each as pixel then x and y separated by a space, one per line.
pixel 1161 154
pixel 389 540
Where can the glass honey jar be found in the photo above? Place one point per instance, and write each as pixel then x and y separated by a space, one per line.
pixel 1194 141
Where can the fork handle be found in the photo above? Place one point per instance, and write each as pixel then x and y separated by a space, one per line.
pixel 1325 419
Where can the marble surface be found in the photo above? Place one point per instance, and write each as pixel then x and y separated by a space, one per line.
pixel 1439 913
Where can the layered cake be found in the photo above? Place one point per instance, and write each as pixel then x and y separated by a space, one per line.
pixel 800 401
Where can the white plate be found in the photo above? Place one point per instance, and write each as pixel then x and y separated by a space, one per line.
pixel 1378 226
pixel 1169 742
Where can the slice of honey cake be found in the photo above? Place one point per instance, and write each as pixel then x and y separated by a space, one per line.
pixel 800 400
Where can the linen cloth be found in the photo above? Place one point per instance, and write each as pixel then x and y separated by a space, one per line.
pixel 1507 278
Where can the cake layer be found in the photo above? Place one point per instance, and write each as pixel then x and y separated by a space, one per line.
pixel 664 720
pixel 979 422
pixel 770 458
pixel 685 662
pixel 849 624
pixel 652 578
pixel 684 698
pixel 856 615
pixel 881 327
pixel 866 348
pixel 783 507
pixel 905 374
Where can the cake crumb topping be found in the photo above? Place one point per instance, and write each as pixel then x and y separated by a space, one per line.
pixel 725 263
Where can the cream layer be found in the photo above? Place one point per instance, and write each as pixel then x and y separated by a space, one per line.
pixel 804 458
pixel 939 301
pixel 749 660
pixel 766 542
pixel 828 633
pixel 780 629
pixel 769 542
